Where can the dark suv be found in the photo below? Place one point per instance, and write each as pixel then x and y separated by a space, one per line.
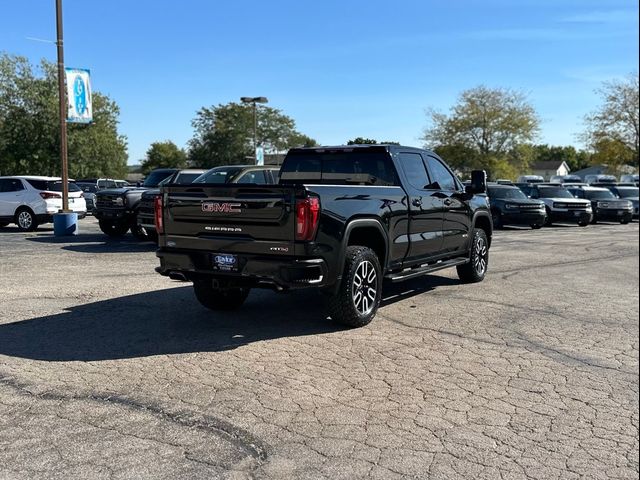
pixel 509 205
pixel 605 205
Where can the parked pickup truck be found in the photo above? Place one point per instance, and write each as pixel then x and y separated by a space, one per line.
pixel 117 208
pixel 341 219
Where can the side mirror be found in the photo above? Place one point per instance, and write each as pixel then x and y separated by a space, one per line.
pixel 478 182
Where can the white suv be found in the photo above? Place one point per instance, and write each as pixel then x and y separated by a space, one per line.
pixel 29 201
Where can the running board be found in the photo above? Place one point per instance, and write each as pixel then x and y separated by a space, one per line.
pixel 425 269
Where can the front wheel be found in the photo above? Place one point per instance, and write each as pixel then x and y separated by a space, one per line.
pixel 219 297
pixel 113 229
pixel 26 220
pixel 358 297
pixel 476 268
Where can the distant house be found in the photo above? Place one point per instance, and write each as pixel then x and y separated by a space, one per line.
pixel 550 168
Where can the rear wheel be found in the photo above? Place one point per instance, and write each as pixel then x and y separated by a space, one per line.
pixel 584 224
pixel 536 226
pixel 624 221
pixel 113 229
pixel 358 297
pixel 476 269
pixel 217 296
pixel 26 220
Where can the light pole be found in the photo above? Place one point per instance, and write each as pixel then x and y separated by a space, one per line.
pixel 63 109
pixel 255 101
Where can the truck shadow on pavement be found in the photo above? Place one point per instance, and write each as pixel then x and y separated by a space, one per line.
pixel 97 243
pixel 171 321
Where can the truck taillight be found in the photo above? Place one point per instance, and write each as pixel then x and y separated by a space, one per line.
pixel 307 217
pixel 48 195
pixel 157 210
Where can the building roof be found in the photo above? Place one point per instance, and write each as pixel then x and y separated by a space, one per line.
pixel 549 165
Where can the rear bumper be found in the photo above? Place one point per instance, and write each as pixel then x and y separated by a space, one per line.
pixel 146 221
pixel 253 270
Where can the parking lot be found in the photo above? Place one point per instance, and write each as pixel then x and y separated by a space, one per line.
pixel 108 370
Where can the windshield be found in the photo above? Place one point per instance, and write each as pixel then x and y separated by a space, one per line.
pixel 627 192
pixel 598 194
pixel 551 192
pixel 506 193
pixel 156 177
pixel 88 187
pixel 219 175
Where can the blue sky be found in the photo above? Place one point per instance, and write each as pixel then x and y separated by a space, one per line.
pixel 341 69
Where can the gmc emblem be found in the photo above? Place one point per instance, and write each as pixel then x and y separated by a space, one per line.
pixel 215 207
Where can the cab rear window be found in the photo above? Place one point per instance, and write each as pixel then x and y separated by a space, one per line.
pixel 348 167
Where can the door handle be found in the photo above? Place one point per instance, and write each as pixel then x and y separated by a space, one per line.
pixel 447 202
pixel 416 202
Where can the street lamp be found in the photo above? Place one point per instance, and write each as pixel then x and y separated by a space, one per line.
pixel 254 100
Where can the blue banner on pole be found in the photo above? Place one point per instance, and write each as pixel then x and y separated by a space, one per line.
pixel 79 106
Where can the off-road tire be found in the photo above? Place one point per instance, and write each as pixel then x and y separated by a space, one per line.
pixel 26 220
pixel 113 229
pixel 358 297
pixel 219 298
pixel 476 269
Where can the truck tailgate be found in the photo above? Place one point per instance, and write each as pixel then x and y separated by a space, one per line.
pixel 253 219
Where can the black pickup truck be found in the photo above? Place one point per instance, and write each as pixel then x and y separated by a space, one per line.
pixel 117 208
pixel 341 219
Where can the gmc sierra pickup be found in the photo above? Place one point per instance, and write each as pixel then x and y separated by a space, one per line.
pixel 341 219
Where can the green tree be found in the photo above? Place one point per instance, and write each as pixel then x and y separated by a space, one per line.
pixel 613 130
pixel 575 159
pixel 29 126
pixel 484 129
pixel 164 155
pixel 224 134
pixel 369 141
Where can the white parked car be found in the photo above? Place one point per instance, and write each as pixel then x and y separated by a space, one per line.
pixel 530 179
pixel 29 201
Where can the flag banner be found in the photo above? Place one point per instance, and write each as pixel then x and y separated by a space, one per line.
pixel 79 107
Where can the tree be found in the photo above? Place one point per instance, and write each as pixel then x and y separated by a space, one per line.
pixel 368 141
pixel 613 130
pixel 164 155
pixel 29 126
pixel 575 159
pixel 224 134
pixel 484 129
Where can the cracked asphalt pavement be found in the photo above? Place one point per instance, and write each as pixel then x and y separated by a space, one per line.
pixel 108 370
